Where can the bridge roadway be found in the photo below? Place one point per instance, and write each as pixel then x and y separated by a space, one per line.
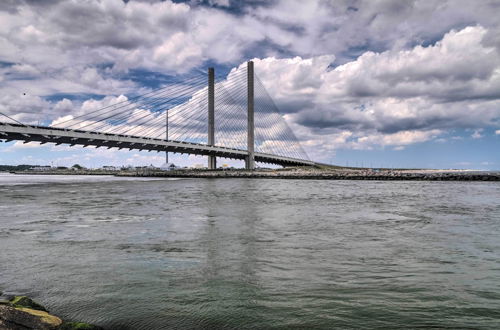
pixel 29 133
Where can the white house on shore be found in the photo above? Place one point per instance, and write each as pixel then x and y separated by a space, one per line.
pixel 41 168
pixel 168 167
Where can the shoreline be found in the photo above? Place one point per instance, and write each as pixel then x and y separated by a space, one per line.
pixel 391 176
pixel 297 174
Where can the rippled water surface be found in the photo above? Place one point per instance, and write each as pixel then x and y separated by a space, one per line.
pixel 253 254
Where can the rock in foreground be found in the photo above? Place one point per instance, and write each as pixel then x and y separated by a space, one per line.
pixel 78 326
pixel 26 318
pixel 21 313
pixel 23 301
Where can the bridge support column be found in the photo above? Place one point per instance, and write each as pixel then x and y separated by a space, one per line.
pixel 250 159
pixel 212 163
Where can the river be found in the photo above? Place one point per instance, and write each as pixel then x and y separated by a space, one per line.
pixel 138 253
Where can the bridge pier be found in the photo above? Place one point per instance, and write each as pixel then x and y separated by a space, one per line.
pixel 212 163
pixel 250 159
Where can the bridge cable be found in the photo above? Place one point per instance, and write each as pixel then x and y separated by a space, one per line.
pixel 154 92
pixel 132 106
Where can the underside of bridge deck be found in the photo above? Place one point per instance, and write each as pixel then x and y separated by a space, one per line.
pixel 58 136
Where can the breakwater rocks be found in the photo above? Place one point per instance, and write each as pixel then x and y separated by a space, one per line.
pixel 22 313
pixel 313 174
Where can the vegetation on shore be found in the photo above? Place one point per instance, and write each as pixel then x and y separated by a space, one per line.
pixel 8 168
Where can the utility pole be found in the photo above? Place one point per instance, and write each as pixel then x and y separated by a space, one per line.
pixel 250 158
pixel 212 162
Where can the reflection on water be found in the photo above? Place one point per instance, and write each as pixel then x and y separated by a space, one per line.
pixel 127 253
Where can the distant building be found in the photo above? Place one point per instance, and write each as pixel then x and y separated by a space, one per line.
pixel 40 168
pixel 111 168
pixel 149 167
pixel 168 167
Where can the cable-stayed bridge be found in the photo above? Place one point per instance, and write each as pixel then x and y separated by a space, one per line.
pixel 232 118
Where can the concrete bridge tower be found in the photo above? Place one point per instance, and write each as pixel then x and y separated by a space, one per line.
pixel 250 159
pixel 212 163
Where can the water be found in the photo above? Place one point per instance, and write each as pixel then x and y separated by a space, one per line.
pixel 253 254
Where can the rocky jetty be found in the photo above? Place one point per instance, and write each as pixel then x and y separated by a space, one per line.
pixel 331 174
pixel 22 313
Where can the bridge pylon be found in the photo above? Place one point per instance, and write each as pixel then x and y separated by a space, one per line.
pixel 250 158
pixel 212 163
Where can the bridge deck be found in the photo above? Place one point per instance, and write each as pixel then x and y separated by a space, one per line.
pixel 10 132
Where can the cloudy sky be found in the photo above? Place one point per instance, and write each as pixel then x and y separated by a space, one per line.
pixel 373 83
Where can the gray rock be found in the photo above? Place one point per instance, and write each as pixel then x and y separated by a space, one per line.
pixel 10 326
pixel 23 301
pixel 26 318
